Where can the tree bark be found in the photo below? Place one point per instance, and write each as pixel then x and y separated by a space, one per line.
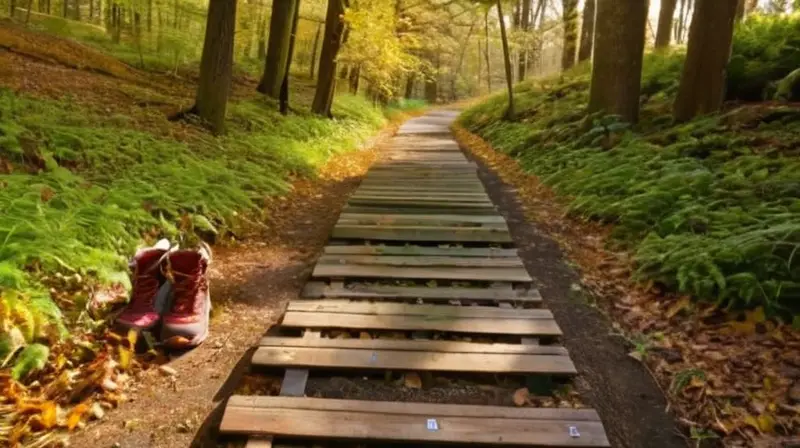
pixel 570 15
pixel 314 51
pixel 77 12
pixel 91 10
pixel 618 54
pixel 355 78
pixel 702 87
pixel 28 14
pixel 149 16
pixel 409 92
pixel 64 8
pixel 216 64
pixel 280 33
pixel 740 7
pixel 486 53
pixel 587 31
pixel 665 17
pixel 284 100
pixel 334 26
pixel 524 24
pixel 509 115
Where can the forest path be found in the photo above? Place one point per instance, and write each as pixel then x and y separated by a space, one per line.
pixel 420 273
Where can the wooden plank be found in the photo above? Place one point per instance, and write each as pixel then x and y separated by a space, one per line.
pixel 403 309
pixel 523 327
pixel 421 273
pixel 260 442
pixel 393 192
pixel 361 359
pixel 416 345
pixel 412 408
pixel 320 290
pixel 389 218
pixel 414 197
pixel 418 222
pixel 483 252
pixel 421 201
pixel 422 233
pixel 402 261
pixel 365 420
pixel 411 210
pixel 474 187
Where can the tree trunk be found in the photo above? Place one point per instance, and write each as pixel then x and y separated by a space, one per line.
pixel 740 10
pixel 355 77
pixel 91 10
pixel 409 93
pixel 334 26
pixel 587 31
pixel 480 63
pixel 149 16
pixel 431 90
pixel 284 100
pixel 216 64
pixel 664 32
pixel 280 34
pixel 702 87
pixel 524 23
pixel 314 51
pixel 570 33
pixel 507 59
pixel 486 53
pixel 64 8
pixel 618 54
pixel 28 14
pixel 262 39
pixel 77 12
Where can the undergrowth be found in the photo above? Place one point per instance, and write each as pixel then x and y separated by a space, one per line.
pixel 710 208
pixel 80 191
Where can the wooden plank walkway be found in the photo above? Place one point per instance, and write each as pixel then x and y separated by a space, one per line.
pixel 419 251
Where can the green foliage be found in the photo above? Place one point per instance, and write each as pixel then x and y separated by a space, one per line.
pixel 765 49
pixel 709 208
pixel 32 358
pixel 86 189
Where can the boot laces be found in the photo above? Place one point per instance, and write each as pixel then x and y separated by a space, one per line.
pixel 145 289
pixel 186 287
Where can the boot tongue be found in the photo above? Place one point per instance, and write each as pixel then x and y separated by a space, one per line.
pixel 145 260
pixel 185 262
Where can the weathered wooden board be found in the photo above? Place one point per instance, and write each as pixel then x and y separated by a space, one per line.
pixel 404 309
pixel 414 210
pixel 422 233
pixel 416 345
pixel 373 359
pixel 519 275
pixel 409 219
pixel 361 291
pixel 410 422
pixel 520 327
pixel 406 197
pixel 403 261
pixel 432 202
pixel 482 252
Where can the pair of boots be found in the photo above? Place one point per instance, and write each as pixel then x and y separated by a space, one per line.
pixel 170 287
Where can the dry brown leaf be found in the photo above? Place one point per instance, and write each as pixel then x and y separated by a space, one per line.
pixel 682 304
pixel 76 415
pixel 412 381
pixel 521 396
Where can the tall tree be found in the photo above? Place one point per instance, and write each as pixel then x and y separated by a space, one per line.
pixel 326 83
pixel 702 87
pixel 284 99
pixel 664 31
pixel 570 16
pixel 280 33
pixel 486 53
pixel 587 31
pixel 216 64
pixel 314 51
pixel 618 54
pixel 510 113
pixel 524 24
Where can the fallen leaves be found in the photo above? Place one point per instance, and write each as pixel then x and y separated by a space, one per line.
pixel 521 397
pixel 412 381
pixel 734 373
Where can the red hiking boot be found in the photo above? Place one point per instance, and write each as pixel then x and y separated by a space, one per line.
pixel 141 312
pixel 185 324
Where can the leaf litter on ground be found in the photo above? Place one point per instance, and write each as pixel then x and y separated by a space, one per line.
pixel 734 373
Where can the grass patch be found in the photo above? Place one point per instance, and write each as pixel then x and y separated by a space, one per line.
pixel 710 208
pixel 81 191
